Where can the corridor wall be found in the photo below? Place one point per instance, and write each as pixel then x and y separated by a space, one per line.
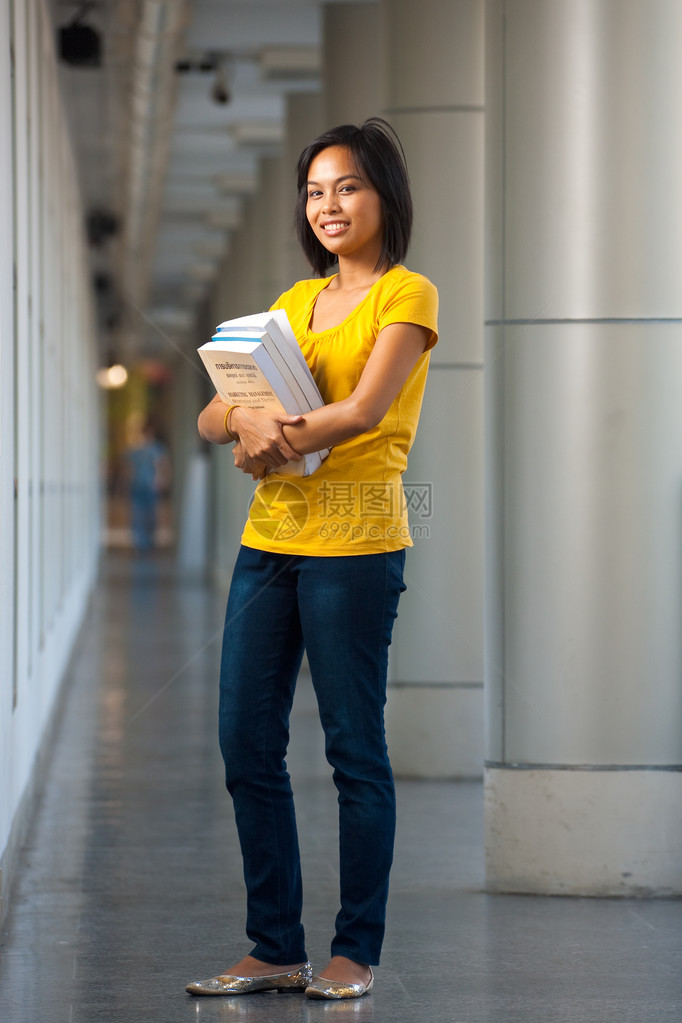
pixel 49 434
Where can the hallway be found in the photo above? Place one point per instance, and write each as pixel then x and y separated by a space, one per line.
pixel 130 883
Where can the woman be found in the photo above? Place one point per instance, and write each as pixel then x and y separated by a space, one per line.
pixel 321 562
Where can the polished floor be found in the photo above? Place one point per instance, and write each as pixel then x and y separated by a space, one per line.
pixel 130 881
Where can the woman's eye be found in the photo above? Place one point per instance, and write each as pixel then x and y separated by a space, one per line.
pixel 347 188
pixel 314 195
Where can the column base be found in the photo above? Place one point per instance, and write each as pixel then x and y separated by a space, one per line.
pixel 583 831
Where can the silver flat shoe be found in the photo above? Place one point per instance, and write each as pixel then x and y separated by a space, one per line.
pixel 225 984
pixel 320 987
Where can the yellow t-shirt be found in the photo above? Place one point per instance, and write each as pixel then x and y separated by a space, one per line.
pixel 354 503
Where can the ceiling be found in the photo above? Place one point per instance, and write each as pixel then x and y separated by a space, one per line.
pixel 168 132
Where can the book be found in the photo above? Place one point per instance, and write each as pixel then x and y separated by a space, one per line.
pixel 249 366
pixel 276 323
pixel 280 341
pixel 274 357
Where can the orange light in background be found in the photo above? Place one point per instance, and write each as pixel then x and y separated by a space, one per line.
pixel 110 378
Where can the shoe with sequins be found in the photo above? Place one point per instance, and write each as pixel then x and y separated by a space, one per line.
pixel 225 984
pixel 320 987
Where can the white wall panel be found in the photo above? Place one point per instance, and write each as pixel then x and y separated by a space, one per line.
pixel 49 418
pixel 7 524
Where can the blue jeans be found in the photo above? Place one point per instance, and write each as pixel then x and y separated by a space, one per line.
pixel 341 610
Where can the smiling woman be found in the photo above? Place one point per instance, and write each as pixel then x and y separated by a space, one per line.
pixel 374 161
pixel 321 563
pixel 343 209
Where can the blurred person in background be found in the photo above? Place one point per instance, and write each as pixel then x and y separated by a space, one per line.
pixel 148 471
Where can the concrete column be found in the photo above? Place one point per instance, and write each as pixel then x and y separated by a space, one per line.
pixel 584 312
pixel 304 121
pixel 351 62
pixel 190 487
pixel 433 95
pixel 249 281
pixel 275 223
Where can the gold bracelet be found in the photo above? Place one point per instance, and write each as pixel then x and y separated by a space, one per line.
pixel 228 431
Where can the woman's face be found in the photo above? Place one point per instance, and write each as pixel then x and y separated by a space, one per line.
pixel 342 208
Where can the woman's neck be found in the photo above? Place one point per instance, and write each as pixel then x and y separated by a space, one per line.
pixel 354 276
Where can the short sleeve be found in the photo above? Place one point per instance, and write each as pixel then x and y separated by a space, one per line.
pixel 414 299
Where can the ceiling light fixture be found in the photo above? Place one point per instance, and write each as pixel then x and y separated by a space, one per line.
pixel 79 44
pixel 257 132
pixel 211 62
pixel 220 91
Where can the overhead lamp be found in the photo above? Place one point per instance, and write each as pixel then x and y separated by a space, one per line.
pixel 282 63
pixel 202 272
pixel 210 248
pixel 225 219
pixel 193 291
pixel 78 44
pixel 257 132
pixel 236 183
pixel 210 62
pixel 220 90
pixel 171 317
pixel 101 224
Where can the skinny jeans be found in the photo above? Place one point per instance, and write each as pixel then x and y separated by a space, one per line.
pixel 341 611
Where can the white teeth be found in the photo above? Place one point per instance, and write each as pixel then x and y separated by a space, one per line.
pixel 333 227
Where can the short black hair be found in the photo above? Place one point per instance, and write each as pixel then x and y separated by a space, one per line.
pixel 380 158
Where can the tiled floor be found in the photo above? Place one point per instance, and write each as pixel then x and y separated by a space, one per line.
pixel 131 878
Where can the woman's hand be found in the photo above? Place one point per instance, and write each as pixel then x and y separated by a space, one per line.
pixel 258 430
pixel 248 465
pixel 261 440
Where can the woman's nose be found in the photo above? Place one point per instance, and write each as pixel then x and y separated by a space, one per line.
pixel 330 204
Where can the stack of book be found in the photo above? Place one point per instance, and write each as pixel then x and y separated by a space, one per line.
pixel 255 361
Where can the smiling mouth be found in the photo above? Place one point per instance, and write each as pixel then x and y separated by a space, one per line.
pixel 333 226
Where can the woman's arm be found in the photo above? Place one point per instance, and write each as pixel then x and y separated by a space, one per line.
pixel 395 353
pixel 211 422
